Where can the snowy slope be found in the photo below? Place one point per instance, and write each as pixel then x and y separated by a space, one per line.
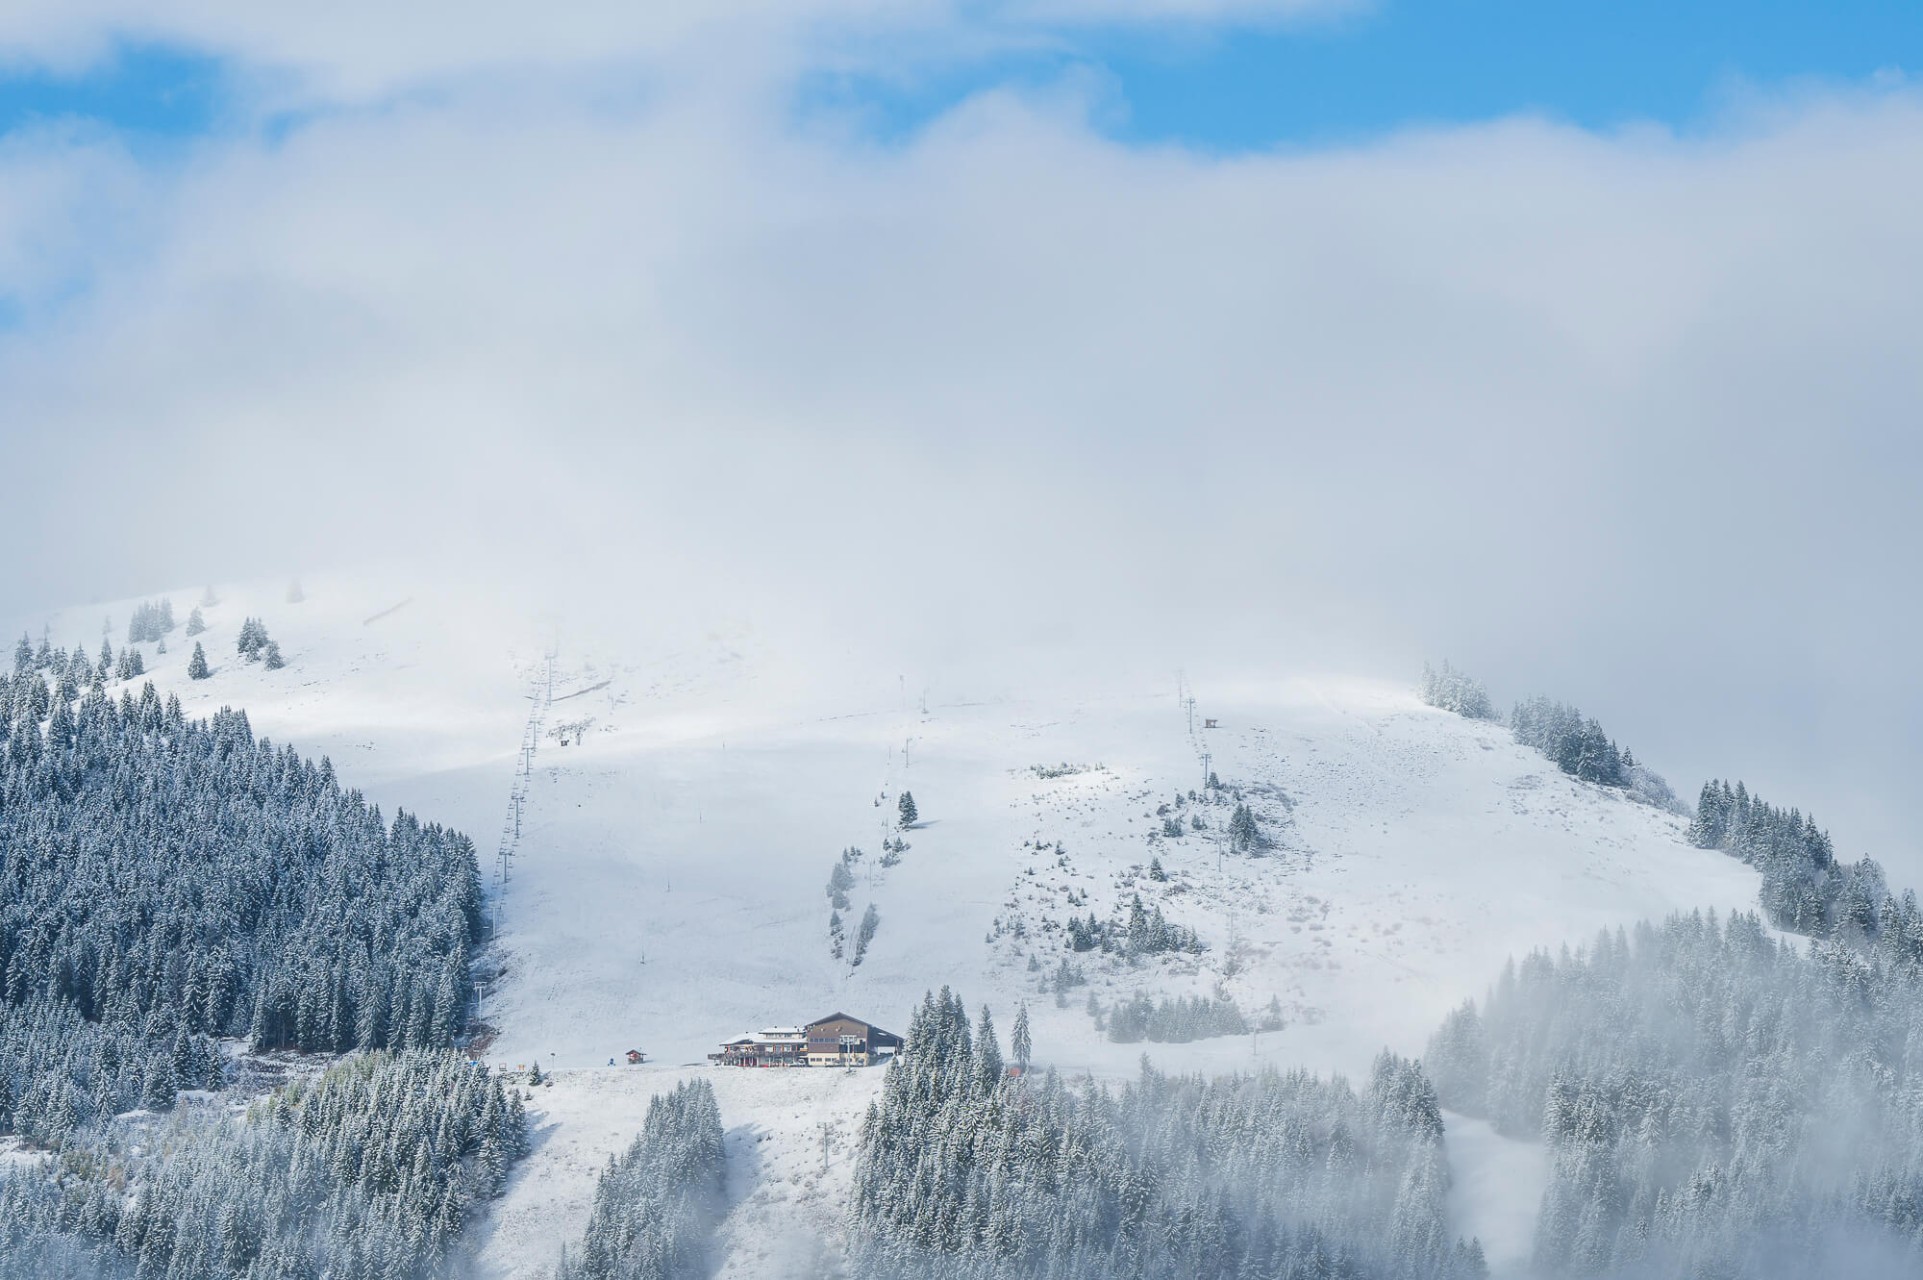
pixel 667 884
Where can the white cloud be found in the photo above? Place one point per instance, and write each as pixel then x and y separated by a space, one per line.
pixel 361 50
pixel 1627 418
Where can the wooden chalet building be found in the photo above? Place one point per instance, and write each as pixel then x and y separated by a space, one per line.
pixel 837 1040
pixel 841 1041
pixel 769 1047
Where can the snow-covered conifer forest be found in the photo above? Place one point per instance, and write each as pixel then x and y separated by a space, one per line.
pixel 964 1172
pixel 656 1207
pixel 1715 1100
pixel 1293 978
pixel 960 640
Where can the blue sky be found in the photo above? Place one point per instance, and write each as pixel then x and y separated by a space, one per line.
pixel 1396 64
pixel 1400 64
pixel 147 91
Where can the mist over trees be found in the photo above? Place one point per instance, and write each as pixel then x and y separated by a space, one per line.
pixel 369 1172
pixel 1574 742
pixel 1457 691
pixel 1173 1020
pixel 656 1208
pixel 1716 1102
pixel 151 620
pixel 966 1172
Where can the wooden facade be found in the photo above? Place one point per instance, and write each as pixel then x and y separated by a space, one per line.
pixel 837 1040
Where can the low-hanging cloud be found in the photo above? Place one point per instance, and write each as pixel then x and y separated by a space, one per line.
pixel 1625 417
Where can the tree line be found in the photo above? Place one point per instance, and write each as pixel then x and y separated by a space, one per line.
pixel 965 1172
pixel 1716 1102
pixel 165 882
pixel 1805 889
pixel 657 1206
pixel 369 1172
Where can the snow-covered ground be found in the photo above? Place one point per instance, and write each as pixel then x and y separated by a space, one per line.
pixel 667 884
pixel 786 1186
pixel 1498 1185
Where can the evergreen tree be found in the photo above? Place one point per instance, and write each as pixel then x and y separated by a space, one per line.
pixel 195 623
pixel 197 664
pixel 1019 1042
pixel 1245 832
pixel 1692 1081
pixel 1452 690
pixel 257 899
pixel 906 806
pixel 840 881
pixel 372 1169
pixel 964 1175
pixel 657 1207
pixel 252 639
pixel 271 656
pixel 988 1054
pixel 865 932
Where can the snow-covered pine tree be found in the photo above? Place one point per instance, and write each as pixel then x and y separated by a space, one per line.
pixel 1688 1080
pixel 865 932
pixel 1453 690
pixel 372 1169
pixel 197 663
pixel 964 1175
pixel 840 881
pixel 210 928
pixel 656 1208
pixel 252 639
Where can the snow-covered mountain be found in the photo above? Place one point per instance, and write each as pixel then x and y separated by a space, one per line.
pixel 683 793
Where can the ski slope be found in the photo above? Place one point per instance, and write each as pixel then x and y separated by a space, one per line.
pixel 691 786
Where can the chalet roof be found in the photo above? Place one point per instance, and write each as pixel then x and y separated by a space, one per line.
pixel 769 1035
pixel 849 1017
pixel 839 1017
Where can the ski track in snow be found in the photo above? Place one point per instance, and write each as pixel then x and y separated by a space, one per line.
pixel 667 888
